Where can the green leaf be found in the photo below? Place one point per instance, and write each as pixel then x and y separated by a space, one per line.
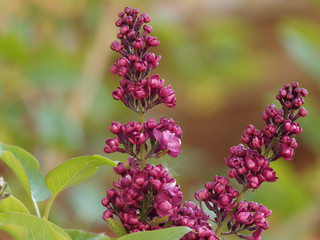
pixel 9 159
pixel 37 228
pixel 74 171
pixel 174 233
pixel 11 204
pixel 16 231
pixel 82 235
pixel 35 186
pixel 117 227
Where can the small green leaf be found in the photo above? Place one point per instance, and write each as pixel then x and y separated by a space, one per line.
pixel 158 220
pixel 16 231
pixel 174 233
pixel 35 186
pixel 82 235
pixel 117 227
pixel 37 228
pixel 39 190
pixel 74 171
pixel 11 204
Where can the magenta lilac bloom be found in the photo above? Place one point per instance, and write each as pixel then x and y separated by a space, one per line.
pixel 162 136
pixel 151 186
pixel 137 62
pixel 218 196
pixel 248 167
pixel 250 216
pixel 169 141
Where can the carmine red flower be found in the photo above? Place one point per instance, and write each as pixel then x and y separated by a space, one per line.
pixel 169 141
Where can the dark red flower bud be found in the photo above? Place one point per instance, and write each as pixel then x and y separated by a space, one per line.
pixel 138 43
pixel 127 10
pixel 129 20
pixel 120 169
pixel 106 215
pixel 118 93
pixel 119 22
pixel 147 28
pixel 303 112
pixel 112 145
pixel 150 124
pixel 124 29
pixel 304 92
pixel 146 17
pixel 151 41
pixel 155 82
pixel 115 127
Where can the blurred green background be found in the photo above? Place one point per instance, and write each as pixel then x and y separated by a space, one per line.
pixel 226 61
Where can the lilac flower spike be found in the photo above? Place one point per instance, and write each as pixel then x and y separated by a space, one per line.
pixel 169 141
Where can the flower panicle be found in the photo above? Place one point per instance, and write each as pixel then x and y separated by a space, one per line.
pixel 136 63
pixel 249 164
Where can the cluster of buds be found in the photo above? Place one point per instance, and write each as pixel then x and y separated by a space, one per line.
pixel 163 137
pixel 281 123
pixel 192 216
pixel 150 199
pixel 134 34
pixel 136 63
pixel 249 167
pixel 218 196
pixel 142 199
pixel 150 91
pixel 253 138
pixel 249 216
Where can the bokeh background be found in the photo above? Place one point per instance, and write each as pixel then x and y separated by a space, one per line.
pixel 226 61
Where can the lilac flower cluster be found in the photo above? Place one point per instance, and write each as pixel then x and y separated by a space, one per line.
pixel 218 196
pixel 252 217
pixel 140 197
pixel 150 91
pixel 192 216
pixel 149 199
pixel 291 98
pixel 136 63
pixel 249 167
pixel 164 137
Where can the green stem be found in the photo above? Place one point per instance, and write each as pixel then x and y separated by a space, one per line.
pixel 49 205
pixel 36 207
pixel 224 224
pixel 271 144
pixel 142 149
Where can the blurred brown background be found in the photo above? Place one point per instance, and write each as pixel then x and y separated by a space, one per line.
pixel 226 61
